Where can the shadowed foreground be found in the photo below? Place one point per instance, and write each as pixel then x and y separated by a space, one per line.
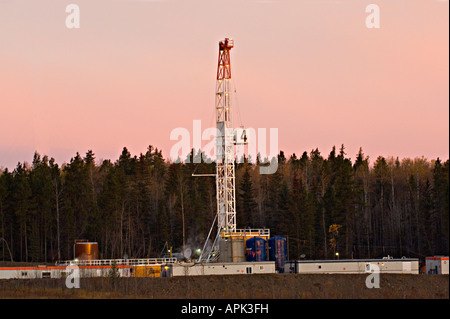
pixel 270 286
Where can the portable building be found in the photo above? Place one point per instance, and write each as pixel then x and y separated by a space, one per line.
pixel 437 265
pixel 353 266
pixel 232 268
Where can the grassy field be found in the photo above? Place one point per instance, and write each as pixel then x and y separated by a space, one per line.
pixel 264 286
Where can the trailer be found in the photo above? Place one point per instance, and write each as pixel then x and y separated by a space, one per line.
pixel 437 265
pixel 353 266
pixel 44 271
pixel 229 268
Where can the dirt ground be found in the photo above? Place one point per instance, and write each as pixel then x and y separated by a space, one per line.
pixel 263 286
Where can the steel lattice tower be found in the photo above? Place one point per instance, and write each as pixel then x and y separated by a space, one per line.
pixel 225 170
pixel 225 177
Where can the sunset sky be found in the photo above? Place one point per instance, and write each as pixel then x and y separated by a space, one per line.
pixel 137 69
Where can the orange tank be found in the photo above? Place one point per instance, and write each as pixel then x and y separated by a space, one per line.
pixel 84 250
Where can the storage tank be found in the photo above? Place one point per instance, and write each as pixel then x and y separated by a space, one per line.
pixel 256 249
pixel 225 250
pixel 238 251
pixel 278 252
pixel 232 250
pixel 85 250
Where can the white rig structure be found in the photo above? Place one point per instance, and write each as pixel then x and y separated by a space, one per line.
pixel 226 139
pixel 225 177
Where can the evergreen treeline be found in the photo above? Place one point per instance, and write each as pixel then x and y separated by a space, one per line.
pixel 140 205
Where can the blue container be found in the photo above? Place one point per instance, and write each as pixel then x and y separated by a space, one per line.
pixel 278 252
pixel 256 249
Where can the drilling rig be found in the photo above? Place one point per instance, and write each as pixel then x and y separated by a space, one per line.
pixel 228 244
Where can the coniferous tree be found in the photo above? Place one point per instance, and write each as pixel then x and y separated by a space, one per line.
pixel 344 210
pixel 43 206
pixel 246 204
pixel 362 205
pixel 440 197
pixel 6 215
pixel 21 197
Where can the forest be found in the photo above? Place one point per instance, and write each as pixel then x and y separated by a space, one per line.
pixel 139 206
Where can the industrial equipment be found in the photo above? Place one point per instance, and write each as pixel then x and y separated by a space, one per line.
pixel 225 170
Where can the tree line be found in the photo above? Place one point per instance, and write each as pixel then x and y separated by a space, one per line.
pixel 139 206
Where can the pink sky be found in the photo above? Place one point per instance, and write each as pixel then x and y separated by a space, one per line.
pixel 135 70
